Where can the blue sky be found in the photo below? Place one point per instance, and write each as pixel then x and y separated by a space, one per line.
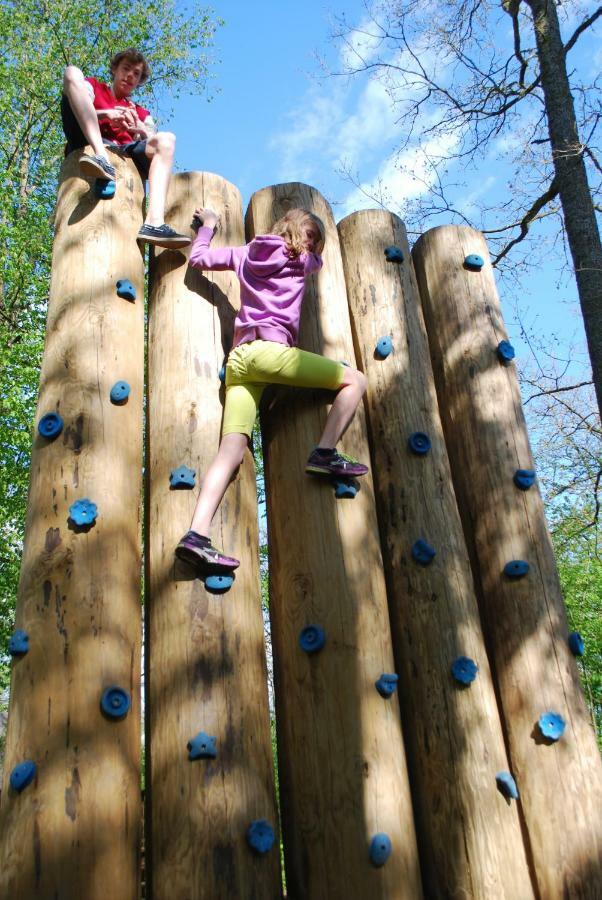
pixel 275 118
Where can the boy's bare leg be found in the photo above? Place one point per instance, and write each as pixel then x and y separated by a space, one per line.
pixel 160 148
pixel 81 103
pixel 217 478
pixel 343 409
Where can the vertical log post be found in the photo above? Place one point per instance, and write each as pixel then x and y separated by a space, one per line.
pixel 469 837
pixel 342 766
pixel 560 782
pixel 74 831
pixel 205 661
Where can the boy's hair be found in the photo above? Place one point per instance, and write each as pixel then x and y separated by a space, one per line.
pixel 134 57
pixel 290 225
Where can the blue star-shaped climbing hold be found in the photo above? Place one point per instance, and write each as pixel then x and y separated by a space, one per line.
pixel 312 638
pixel 419 443
pixel 394 254
pixel 505 352
pixel 524 479
pixel 464 670
pixel 387 684
pixel 182 477
pixel 576 644
pixel 344 488
pixel 19 643
pixel 552 725
pixel 115 702
pixel 260 836
pixel 83 512
pixel 423 553
pixel 202 746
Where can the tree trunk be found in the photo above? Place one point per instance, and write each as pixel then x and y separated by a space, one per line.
pixel 575 195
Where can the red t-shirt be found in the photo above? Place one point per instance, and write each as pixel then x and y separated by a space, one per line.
pixel 104 98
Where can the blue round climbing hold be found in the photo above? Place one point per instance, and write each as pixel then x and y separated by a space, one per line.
pixel 516 568
pixel 419 443
pixel 394 254
pixel 423 553
pixel 552 725
pixel 22 775
pixel 50 425
pixel 312 638
pixel 384 345
pixel 474 262
pixel 524 479
pixel 104 188
pixel 182 477
pixel 464 670
pixel 115 702
pixel 83 512
pixel 202 746
pixel 387 684
pixel 380 849
pixel 219 584
pixel 120 392
pixel 260 836
pixel 125 289
pixel 19 643
pixel 576 644
pixel 222 374
pixel 506 785
pixel 345 488
pixel 505 352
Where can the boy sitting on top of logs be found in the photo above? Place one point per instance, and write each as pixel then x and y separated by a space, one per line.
pixel 105 117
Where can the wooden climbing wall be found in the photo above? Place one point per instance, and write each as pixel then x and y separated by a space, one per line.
pixel 560 781
pixel 342 765
pixel 469 835
pixel 206 668
pixel 74 832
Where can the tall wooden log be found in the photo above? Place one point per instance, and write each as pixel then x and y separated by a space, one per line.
pixel 342 765
pixel 205 668
pixel 469 836
pixel 560 781
pixel 74 832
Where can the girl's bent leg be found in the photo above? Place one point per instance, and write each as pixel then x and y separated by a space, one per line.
pixel 217 478
pixel 347 400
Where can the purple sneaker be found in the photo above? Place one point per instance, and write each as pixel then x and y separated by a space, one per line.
pixel 334 463
pixel 199 552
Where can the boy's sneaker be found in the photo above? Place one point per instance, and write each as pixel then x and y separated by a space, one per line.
pixel 163 236
pixel 199 551
pixel 331 462
pixel 96 167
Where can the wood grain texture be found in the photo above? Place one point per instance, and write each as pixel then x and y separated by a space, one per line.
pixel 524 621
pixel 75 831
pixel 469 836
pixel 342 765
pixel 206 668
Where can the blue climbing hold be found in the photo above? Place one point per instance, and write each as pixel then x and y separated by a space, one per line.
pixel 312 638
pixel 222 374
pixel 524 479
pixel 260 836
pixel 394 254
pixel 464 670
pixel 474 262
pixel 380 849
pixel 505 352
pixel 345 488
pixel 419 443
pixel 104 188
pixel 115 702
pixel 423 553
pixel 120 392
pixel 22 775
pixel 387 684
pixel 219 584
pixel 125 289
pixel 50 425
pixel 83 512
pixel 516 568
pixel 202 746
pixel 182 477
pixel 506 785
pixel 19 643
pixel 384 345
pixel 552 725
pixel 576 644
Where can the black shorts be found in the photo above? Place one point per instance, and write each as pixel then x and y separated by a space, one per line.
pixel 136 150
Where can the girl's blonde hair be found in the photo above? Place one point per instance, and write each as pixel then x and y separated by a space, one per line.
pixel 290 228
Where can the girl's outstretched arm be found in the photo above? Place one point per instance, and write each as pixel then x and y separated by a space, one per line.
pixel 202 256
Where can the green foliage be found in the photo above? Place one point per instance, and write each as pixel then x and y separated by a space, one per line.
pixel 38 38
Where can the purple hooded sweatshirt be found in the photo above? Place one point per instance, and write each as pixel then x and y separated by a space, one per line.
pixel 271 284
